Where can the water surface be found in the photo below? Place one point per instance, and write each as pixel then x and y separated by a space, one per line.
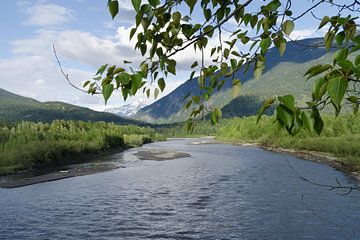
pixel 220 192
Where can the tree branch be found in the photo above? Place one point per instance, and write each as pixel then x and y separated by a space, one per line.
pixel 66 76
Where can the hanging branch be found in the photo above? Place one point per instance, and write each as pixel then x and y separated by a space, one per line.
pixel 65 75
pixel 347 189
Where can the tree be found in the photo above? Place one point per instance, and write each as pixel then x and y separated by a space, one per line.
pixel 162 31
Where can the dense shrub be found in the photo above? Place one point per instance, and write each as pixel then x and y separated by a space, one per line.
pixel 29 145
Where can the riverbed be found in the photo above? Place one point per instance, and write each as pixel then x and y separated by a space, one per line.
pixel 212 191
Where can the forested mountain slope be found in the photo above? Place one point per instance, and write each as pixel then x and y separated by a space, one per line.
pixel 15 108
pixel 281 75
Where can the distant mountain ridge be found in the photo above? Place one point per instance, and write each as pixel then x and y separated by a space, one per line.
pixel 15 108
pixel 298 53
pixel 130 109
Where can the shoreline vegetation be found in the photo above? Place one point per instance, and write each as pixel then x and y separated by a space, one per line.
pixel 26 146
pixel 338 145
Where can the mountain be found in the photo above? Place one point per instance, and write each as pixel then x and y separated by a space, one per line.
pixel 129 110
pixel 15 108
pixel 282 74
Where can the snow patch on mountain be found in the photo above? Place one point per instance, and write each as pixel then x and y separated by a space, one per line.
pixel 130 109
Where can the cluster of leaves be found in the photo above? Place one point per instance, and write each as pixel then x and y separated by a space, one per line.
pixel 334 82
pixel 161 31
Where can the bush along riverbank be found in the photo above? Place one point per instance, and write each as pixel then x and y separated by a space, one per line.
pixel 28 145
pixel 339 142
pixel 340 138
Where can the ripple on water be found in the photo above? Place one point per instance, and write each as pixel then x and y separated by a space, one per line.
pixel 247 194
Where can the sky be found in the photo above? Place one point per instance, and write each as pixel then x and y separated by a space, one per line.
pixel 85 37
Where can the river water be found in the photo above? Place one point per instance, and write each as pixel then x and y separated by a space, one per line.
pixel 220 192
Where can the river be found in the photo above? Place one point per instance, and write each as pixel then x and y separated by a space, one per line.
pixel 220 192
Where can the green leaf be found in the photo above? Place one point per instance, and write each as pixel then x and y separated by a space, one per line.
pixel 122 79
pixel 107 90
pixel 245 40
pixel 195 64
pixel 324 21
pixel 352 99
pixel 196 99
pixel 288 27
pixel 187 29
pixel 318 124
pixel 253 21
pixel 267 103
pixel 154 3
pixel 308 121
pixel 312 69
pixel 156 93
pixel 136 80
pixel 357 60
pixel 284 116
pixel 340 37
pixel 161 84
pixel 86 83
pixel 171 67
pixel 226 53
pixel 132 32
pixel 346 65
pixel 235 54
pixel 282 47
pixel 265 44
pixel 340 54
pixel 288 101
pixel 136 4
pixel 201 80
pixel 336 89
pixel 101 69
pixel 318 69
pixel 329 37
pixel 191 4
pixel 176 17
pixel 207 14
pixel 188 104
pixel 233 63
pixel 259 67
pixel 319 88
pixel 113 8
pixel 215 115
pixel 192 75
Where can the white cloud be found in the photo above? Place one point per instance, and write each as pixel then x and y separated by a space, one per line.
pixel 39 81
pixel 32 71
pixel 307 33
pixel 46 14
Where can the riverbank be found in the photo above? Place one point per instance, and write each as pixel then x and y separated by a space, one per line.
pixel 315 156
pixel 339 141
pixel 86 164
pixel 91 165
pixel 68 172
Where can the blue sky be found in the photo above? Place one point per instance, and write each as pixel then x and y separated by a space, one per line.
pixel 85 37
